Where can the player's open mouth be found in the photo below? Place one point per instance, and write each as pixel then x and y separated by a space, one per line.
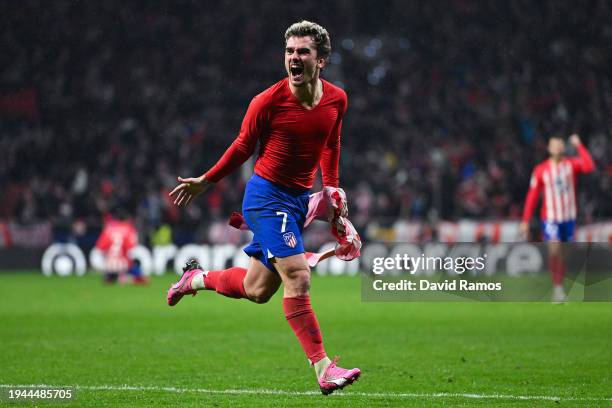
pixel 297 72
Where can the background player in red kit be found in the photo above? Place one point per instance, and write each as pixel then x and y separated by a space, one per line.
pixel 118 237
pixel 297 122
pixel 556 177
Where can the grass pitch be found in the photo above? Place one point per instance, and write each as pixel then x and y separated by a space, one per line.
pixel 122 346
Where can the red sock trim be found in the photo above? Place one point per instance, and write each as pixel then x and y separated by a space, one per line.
pixel 303 321
pixel 229 282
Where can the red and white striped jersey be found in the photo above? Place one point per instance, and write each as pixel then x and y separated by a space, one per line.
pixel 116 241
pixel 557 180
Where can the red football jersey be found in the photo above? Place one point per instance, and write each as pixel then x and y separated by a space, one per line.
pixel 293 140
pixel 115 241
pixel 558 181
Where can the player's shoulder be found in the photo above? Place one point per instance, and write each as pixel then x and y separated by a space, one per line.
pixel 273 92
pixel 334 89
pixel 536 173
pixel 130 227
pixel 336 92
pixel 269 97
pixel 540 167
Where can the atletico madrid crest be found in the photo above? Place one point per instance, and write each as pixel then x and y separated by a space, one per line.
pixel 290 239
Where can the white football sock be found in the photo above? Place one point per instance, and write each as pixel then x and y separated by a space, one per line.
pixel 321 365
pixel 197 282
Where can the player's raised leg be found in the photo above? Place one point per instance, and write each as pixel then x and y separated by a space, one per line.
pixel 257 283
pixel 260 283
pixel 295 274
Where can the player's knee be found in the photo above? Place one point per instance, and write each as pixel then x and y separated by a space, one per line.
pixel 260 296
pixel 258 293
pixel 300 282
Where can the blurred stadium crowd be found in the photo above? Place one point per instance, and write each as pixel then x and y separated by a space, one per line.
pixel 104 103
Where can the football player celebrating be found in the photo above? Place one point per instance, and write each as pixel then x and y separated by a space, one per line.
pixel 297 122
pixel 556 177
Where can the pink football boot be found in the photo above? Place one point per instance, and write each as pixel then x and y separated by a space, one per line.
pixel 183 286
pixel 336 378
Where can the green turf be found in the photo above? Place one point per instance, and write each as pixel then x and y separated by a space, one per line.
pixel 76 331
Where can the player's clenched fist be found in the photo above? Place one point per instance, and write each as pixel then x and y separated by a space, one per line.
pixel 188 189
pixel 575 140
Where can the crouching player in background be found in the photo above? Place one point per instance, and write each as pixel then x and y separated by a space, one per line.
pixel 118 238
pixel 556 177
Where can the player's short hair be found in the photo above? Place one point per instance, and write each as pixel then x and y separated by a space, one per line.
pixel 319 35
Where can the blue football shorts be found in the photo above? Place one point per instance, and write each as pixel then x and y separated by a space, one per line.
pixel 276 215
pixel 558 231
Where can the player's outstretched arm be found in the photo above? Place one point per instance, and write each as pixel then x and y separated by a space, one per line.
pixel 584 162
pixel 189 188
pixel 239 151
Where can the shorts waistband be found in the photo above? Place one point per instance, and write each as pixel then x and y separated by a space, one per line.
pixel 288 190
